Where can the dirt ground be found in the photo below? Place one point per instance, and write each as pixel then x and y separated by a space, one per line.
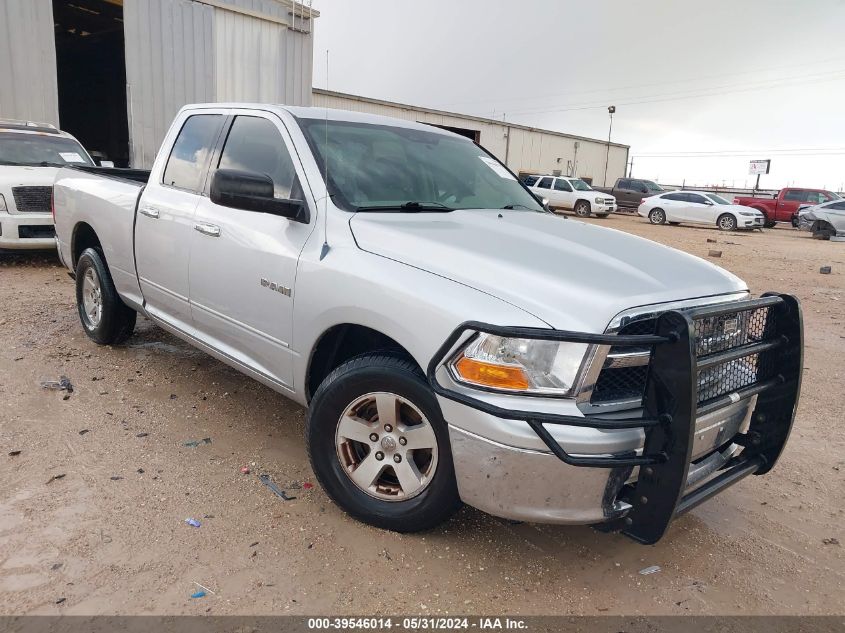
pixel 109 536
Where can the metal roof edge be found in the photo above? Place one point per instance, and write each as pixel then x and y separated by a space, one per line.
pixel 468 117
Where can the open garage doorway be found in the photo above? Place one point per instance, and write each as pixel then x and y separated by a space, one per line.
pixel 91 70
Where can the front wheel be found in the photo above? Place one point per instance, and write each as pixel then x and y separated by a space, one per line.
pixel 379 445
pixel 726 222
pixel 657 216
pixel 582 208
pixel 105 318
pixel 823 230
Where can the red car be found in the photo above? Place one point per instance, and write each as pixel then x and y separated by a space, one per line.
pixel 786 203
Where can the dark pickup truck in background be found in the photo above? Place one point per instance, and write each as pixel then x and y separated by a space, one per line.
pixel 786 203
pixel 629 192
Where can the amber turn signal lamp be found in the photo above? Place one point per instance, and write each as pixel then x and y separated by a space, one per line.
pixel 490 375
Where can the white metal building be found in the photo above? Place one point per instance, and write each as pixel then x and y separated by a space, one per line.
pixel 115 72
pixel 526 150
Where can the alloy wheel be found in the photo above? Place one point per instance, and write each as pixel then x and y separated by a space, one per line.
pixel 386 446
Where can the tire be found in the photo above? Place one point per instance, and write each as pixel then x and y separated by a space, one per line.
pixel 726 222
pixel 105 318
pixel 368 388
pixel 582 209
pixel 822 230
pixel 657 216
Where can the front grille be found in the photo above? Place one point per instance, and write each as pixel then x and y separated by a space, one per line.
pixel 32 199
pixel 713 335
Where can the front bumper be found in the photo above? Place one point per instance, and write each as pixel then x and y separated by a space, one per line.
pixel 582 470
pixel 602 208
pixel 27 231
pixel 751 222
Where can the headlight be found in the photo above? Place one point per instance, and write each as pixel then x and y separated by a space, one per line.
pixel 2 203
pixel 750 213
pixel 519 365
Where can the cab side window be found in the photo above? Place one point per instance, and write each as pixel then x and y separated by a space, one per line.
pixel 624 183
pixel 255 145
pixel 795 195
pixel 694 197
pixel 191 152
pixel 545 183
pixel 562 185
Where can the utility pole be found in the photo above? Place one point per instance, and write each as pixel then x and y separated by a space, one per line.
pixel 610 110
pixel 631 168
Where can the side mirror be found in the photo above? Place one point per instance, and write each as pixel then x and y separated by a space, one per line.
pixel 106 163
pixel 249 191
pixel 708 203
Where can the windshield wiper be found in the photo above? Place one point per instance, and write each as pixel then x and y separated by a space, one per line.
pixel 517 205
pixel 410 207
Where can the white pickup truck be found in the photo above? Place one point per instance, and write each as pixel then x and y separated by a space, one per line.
pixel 451 339
pixel 30 155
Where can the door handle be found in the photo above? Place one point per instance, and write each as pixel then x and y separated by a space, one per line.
pixel 207 229
pixel 150 212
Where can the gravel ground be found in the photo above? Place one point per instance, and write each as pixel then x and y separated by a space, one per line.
pixel 109 536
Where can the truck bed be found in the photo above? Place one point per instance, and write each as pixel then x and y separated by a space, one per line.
pixel 105 199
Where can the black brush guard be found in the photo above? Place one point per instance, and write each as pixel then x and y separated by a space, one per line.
pixel 671 405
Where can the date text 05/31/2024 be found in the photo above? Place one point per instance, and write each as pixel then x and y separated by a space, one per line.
pixel 417 623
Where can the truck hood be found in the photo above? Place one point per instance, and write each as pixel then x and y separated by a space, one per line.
pixel 572 275
pixel 18 176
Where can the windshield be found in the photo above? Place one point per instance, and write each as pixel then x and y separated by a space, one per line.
pixel 382 167
pixel 40 150
pixel 580 185
pixel 717 199
pixel 652 186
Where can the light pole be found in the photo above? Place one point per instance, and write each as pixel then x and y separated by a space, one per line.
pixel 610 110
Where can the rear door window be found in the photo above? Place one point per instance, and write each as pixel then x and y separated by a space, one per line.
pixel 545 183
pixel 188 160
pixel 678 197
pixel 562 185
pixel 255 145
pixel 623 183
pixel 795 195
pixel 694 197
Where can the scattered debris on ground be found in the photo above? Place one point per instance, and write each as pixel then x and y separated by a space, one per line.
pixel 62 384
pixel 265 479
pixel 192 522
pixel 713 253
pixel 195 443
pixel 825 270
pixel 650 570
pixel 55 478
pixel 830 541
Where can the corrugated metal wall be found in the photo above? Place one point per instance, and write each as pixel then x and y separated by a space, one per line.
pixel 186 51
pixel 527 150
pixel 169 62
pixel 28 61
pixel 259 60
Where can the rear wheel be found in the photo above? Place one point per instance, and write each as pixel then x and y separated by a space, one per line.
pixel 105 318
pixel 657 216
pixel 582 208
pixel 726 222
pixel 379 446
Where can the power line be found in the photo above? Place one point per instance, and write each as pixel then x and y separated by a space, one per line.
pixel 591 105
pixel 745 152
pixel 641 85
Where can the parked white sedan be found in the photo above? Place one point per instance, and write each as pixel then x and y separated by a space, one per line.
pixel 699 207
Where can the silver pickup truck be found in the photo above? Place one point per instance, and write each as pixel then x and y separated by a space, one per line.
pixel 452 340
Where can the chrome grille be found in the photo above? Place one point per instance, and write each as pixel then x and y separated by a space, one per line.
pixel 32 199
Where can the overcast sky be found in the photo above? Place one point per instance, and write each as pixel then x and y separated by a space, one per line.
pixel 764 78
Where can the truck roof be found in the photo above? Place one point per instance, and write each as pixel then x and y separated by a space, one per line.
pixel 331 114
